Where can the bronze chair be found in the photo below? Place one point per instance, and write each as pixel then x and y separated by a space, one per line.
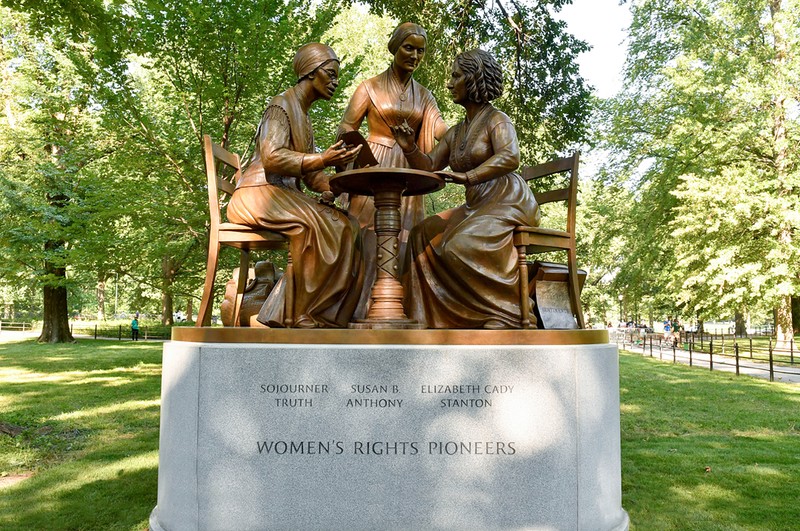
pixel 533 240
pixel 242 237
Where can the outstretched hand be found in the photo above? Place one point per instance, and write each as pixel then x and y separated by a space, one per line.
pixel 456 177
pixel 404 135
pixel 339 154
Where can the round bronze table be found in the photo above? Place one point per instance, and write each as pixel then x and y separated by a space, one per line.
pixel 387 186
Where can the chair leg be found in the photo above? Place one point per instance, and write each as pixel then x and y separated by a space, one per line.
pixel 288 319
pixel 524 297
pixel 241 283
pixel 204 315
pixel 574 293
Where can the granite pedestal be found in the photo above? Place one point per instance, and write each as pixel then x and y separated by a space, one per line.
pixel 373 429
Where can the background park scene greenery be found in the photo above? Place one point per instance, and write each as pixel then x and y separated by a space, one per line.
pixel 692 211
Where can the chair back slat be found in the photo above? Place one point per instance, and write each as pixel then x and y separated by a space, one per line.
pixel 216 183
pixel 225 186
pixel 548 168
pixel 225 156
pixel 551 196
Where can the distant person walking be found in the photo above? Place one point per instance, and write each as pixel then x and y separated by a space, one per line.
pixel 135 328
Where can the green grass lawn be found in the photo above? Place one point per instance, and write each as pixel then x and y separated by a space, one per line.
pixel 708 450
pixel 89 419
pixel 700 450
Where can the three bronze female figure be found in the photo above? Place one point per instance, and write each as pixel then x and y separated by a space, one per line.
pixel 459 266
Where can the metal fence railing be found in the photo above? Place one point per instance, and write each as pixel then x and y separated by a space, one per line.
pixel 752 355
pixel 15 326
pixel 120 332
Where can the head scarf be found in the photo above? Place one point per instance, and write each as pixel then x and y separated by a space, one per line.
pixel 310 57
pixel 402 32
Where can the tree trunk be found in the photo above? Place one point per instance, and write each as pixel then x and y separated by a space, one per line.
pixel 101 298
pixel 189 310
pixel 55 318
pixel 167 278
pixel 783 320
pixel 796 314
pixel 740 327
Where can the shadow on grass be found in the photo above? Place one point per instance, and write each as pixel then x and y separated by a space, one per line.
pixel 108 503
pixel 704 450
pixel 84 418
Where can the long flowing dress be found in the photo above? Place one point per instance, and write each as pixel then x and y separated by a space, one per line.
pixel 463 270
pixel 385 102
pixel 324 243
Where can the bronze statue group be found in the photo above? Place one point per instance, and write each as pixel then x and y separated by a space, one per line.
pixel 458 267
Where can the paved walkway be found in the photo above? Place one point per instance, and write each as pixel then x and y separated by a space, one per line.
pixel 726 363
pixel 13 335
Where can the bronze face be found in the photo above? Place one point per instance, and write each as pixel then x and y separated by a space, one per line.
pixel 457 85
pixel 409 55
pixel 325 79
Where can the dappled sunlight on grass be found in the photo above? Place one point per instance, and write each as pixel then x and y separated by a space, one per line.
pixel 771 472
pixel 21 375
pixel 629 408
pixel 133 405
pixel 704 493
pixel 84 419
pixel 705 450
pixel 103 472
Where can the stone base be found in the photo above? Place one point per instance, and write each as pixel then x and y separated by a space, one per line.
pixel 392 436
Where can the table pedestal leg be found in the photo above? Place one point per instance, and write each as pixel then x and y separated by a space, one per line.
pixel 386 310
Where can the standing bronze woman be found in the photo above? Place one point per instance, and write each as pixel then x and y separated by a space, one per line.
pixel 462 271
pixel 323 242
pixel 386 100
pixel 389 99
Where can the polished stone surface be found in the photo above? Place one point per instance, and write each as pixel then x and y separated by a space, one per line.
pixel 389 436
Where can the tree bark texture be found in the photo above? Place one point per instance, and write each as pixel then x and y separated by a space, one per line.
pixel 55 318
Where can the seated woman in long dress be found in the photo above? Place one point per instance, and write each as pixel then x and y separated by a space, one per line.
pixel 463 271
pixel 324 242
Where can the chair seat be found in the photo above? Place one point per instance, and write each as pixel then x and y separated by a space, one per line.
pixel 246 237
pixel 540 240
pixel 540 230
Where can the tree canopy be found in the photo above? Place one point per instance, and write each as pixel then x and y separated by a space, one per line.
pixel 701 135
pixel 106 104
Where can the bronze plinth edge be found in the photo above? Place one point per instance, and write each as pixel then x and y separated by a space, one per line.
pixel 343 336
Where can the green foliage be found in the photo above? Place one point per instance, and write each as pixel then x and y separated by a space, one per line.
pixel 701 135
pixel 545 95
pixel 125 91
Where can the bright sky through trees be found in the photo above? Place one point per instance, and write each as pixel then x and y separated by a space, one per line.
pixel 603 24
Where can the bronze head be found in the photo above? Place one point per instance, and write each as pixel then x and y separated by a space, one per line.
pixel 402 32
pixel 310 57
pixel 483 76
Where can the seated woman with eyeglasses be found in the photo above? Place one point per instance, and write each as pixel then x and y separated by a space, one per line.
pixel 324 242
